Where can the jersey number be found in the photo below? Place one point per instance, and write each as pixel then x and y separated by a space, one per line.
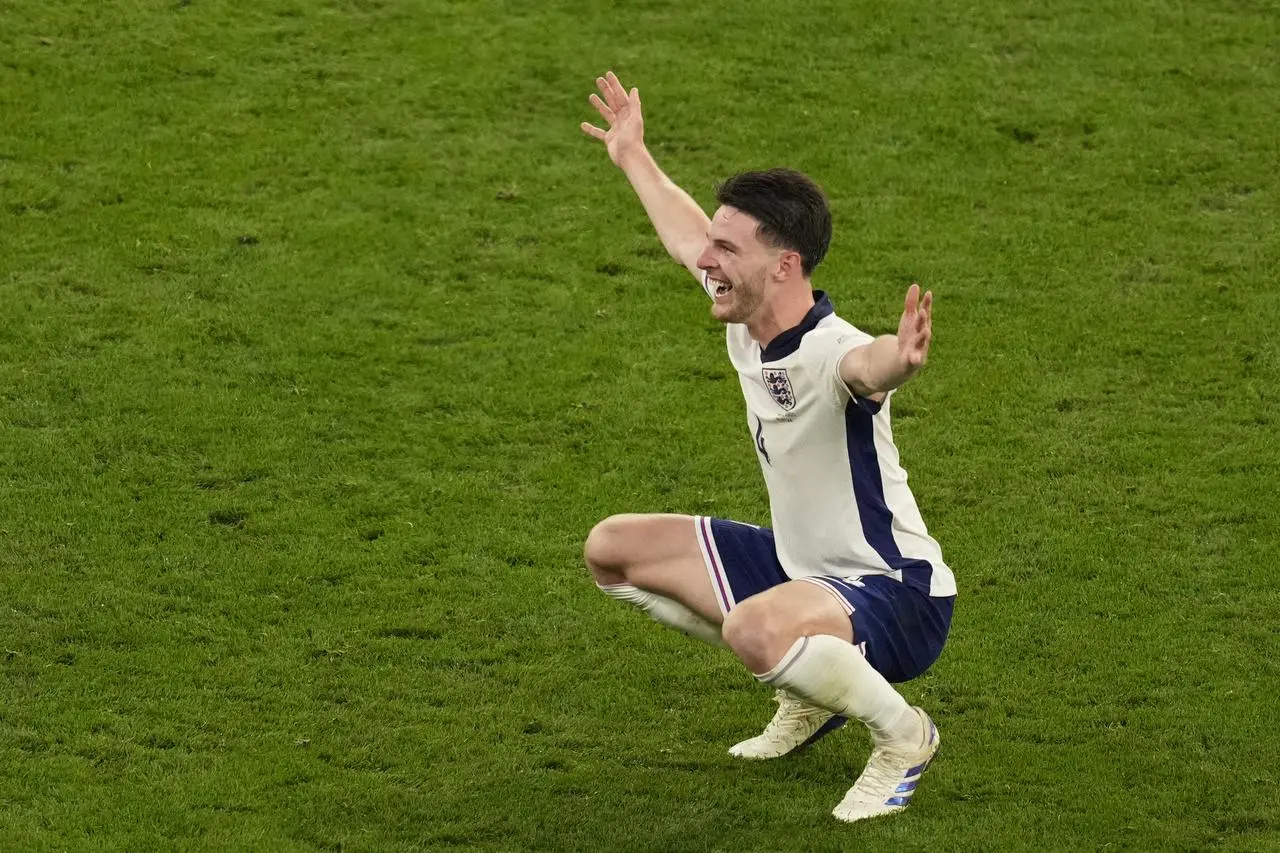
pixel 760 441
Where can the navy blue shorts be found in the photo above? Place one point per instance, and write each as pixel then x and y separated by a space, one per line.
pixel 900 629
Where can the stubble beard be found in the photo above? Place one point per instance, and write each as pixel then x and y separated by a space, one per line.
pixel 747 297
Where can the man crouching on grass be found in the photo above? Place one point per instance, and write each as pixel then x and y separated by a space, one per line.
pixel 847 592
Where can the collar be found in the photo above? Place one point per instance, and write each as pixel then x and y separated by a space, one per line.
pixel 789 341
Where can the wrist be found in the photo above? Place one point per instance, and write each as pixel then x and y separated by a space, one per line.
pixel 633 157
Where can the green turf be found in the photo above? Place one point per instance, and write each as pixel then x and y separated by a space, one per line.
pixel 327 337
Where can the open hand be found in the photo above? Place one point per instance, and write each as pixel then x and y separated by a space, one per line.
pixel 915 329
pixel 621 111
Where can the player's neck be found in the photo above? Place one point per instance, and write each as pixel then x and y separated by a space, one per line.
pixel 785 310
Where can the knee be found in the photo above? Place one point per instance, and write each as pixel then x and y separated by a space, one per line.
pixel 759 634
pixel 603 551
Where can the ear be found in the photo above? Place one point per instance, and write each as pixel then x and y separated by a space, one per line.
pixel 790 264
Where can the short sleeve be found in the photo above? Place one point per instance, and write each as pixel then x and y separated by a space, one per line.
pixel 833 344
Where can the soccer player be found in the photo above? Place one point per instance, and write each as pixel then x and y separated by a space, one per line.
pixel 847 593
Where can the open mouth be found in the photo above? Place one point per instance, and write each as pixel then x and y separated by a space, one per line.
pixel 721 287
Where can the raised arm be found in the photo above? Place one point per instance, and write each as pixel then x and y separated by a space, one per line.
pixel 680 223
pixel 874 369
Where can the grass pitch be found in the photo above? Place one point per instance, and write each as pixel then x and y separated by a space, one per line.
pixel 327 337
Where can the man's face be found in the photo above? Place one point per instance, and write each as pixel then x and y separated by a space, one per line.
pixel 738 265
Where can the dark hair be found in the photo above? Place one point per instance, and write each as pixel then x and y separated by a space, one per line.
pixel 791 209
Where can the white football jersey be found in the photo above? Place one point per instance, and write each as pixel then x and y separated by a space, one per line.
pixel 838 497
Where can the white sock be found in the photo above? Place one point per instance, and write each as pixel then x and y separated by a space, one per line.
pixel 668 611
pixel 832 674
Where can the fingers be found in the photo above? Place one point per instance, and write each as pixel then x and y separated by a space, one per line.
pixel 918 308
pixel 610 95
pixel 924 326
pixel 615 100
pixel 912 300
pixel 601 107
pixel 617 94
pixel 614 94
pixel 606 90
pixel 919 349
pixel 916 330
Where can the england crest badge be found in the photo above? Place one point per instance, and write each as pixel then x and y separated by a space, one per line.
pixel 775 379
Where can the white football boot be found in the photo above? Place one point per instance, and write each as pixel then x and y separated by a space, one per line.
pixel 796 724
pixel 890 778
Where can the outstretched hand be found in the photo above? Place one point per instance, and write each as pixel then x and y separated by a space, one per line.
pixel 915 329
pixel 621 111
